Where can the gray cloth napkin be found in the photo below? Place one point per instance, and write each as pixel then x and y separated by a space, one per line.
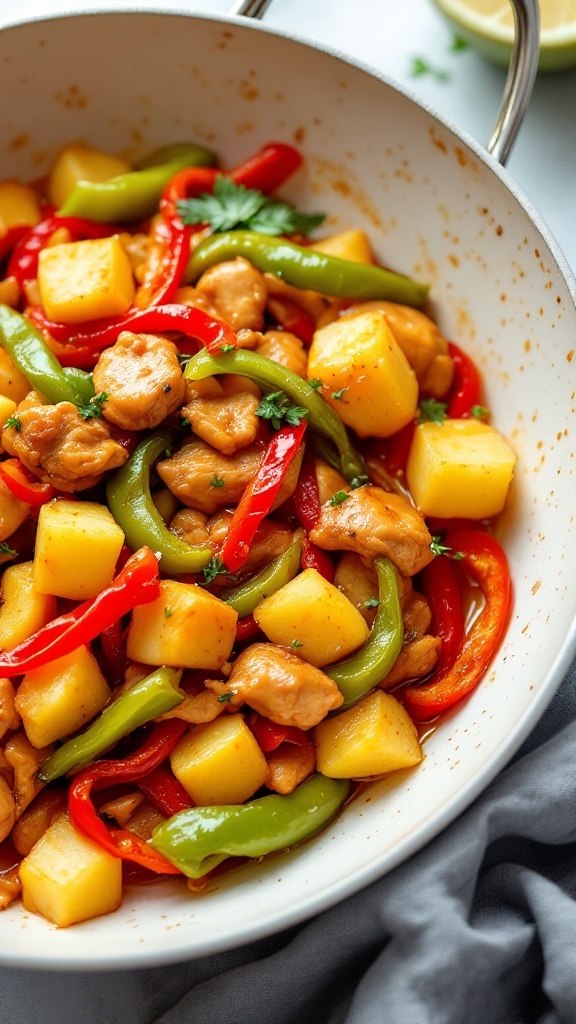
pixel 478 928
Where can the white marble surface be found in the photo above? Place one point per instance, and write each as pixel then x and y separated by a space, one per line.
pixel 389 35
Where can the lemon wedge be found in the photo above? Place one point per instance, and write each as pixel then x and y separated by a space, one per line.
pixel 488 26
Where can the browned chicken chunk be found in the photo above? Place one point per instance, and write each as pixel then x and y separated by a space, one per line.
pixel 280 686
pixel 284 348
pixel 226 418
pixel 415 660
pixel 202 478
pixel 60 447
pixel 142 379
pixel 288 766
pixel 234 291
pixel 25 761
pixel 373 522
pixel 270 540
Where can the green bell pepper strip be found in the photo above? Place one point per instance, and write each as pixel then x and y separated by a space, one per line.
pixel 357 675
pixel 303 267
pixel 247 595
pixel 81 381
pixel 28 350
pixel 130 502
pixel 196 841
pixel 149 698
pixel 271 376
pixel 135 195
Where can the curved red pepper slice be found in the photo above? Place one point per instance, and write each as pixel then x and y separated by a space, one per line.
pixel 269 735
pixel 486 563
pixel 23 263
pixel 306 496
pixel 9 240
pixel 292 317
pixel 441 587
pixel 465 390
pixel 314 557
pixel 165 791
pixel 246 628
pixel 24 485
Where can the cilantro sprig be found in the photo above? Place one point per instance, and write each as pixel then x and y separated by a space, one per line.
pixel 277 408
pixel 438 548
pixel 432 411
pixel 15 422
pixel 6 551
pixel 235 206
pixel 93 409
pixel 214 568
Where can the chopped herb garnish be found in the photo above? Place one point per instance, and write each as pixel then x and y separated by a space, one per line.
pixel 235 206
pixel 184 421
pixel 420 66
pixel 167 453
pixel 227 348
pixel 339 395
pixel 457 556
pixel 372 602
pixel 315 384
pixel 168 613
pixel 338 498
pixel 6 551
pixel 15 422
pixel 459 44
pixel 225 697
pixel 217 481
pixel 479 412
pixel 216 568
pixel 93 410
pixel 296 643
pixel 432 411
pixel 278 407
pixel 359 481
pixel 438 548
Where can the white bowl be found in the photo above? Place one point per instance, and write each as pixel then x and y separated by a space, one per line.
pixel 436 207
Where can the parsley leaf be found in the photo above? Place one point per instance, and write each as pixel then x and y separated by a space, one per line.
pixel 459 44
pixel 235 206
pixel 216 568
pixel 372 602
pixel 339 498
pixel 432 411
pixel 296 644
pixel 339 395
pixel 315 384
pixel 93 410
pixel 277 407
pixel 225 697
pixel 168 613
pixel 217 481
pixel 420 66
pixel 184 421
pixel 438 548
pixel 479 412
pixel 7 551
pixel 15 422
pixel 227 348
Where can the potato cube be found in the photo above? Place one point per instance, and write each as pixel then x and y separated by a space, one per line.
pixel 358 359
pixel 13 383
pixel 68 878
pixel 77 547
pixel 60 697
pixel 7 409
pixel 13 512
pixel 313 617
pixel 85 280
pixel 24 610
pixel 80 163
pixel 348 245
pixel 374 737
pixel 459 468
pixel 185 627
pixel 19 206
pixel 219 763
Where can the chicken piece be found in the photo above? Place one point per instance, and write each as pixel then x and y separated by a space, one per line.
pixel 288 766
pixel 121 808
pixel 329 481
pixel 60 447
pixel 416 614
pixel 425 348
pixel 137 247
pixel 197 708
pixel 13 512
pixel 9 717
pixel 373 522
pixel 144 820
pixel 284 348
pixel 280 686
pixel 10 887
pixel 142 380
pixel 234 291
pixel 7 810
pixel 190 525
pixel 42 812
pixel 358 582
pixel 25 760
pixel 270 540
pixel 314 303
pixel 227 421
pixel 202 478
pixel 416 659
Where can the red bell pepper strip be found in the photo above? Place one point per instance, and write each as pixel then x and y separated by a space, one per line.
pixel 291 317
pixel 485 561
pixel 394 451
pixel 24 485
pixel 120 842
pixel 269 735
pixel 314 557
pixel 23 263
pixel 260 494
pixel 441 587
pixel 465 390
pixel 137 583
pixel 165 791
pixel 306 496
pixel 246 628
pixel 268 168
pixel 9 240
pixel 113 645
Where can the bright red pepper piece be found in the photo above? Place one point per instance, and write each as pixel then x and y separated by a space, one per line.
pixel 165 791
pixel 24 485
pixel 486 563
pixel 268 168
pixel 269 735
pixel 136 584
pixel 314 557
pixel 306 496
pixel 394 451
pixel 465 391
pixel 291 317
pixel 246 628
pixel 9 240
pixel 23 263
pixel 441 587
pixel 260 494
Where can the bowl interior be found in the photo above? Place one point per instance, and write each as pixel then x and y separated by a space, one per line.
pixel 435 208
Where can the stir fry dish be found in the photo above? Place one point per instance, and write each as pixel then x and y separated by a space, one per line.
pixel 246 497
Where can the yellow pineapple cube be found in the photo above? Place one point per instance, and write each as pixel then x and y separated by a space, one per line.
pixel 313 617
pixel 359 361
pixel 57 699
pixel 19 206
pixel 459 468
pixel 68 878
pixel 347 245
pixel 13 383
pixel 85 280
pixel 81 163
pixel 77 547
pixel 219 763
pixel 7 409
pixel 374 737
pixel 185 627
pixel 13 512
pixel 24 610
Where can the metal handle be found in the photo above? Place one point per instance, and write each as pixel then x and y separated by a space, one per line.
pixel 521 72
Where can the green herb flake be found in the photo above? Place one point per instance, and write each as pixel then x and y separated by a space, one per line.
pixel 184 421
pixel 225 698
pixel 15 422
pixel 217 481
pixel 315 384
pixel 296 644
pixel 479 412
pixel 227 348
pixel 233 206
pixel 277 408
pixel 457 556
pixel 339 395
pixel 438 548
pixel 359 481
pixel 372 602
pixel 420 66
pixel 339 498
pixel 6 551
pixel 459 44
pixel 216 568
pixel 432 411
pixel 168 613
pixel 167 453
pixel 93 409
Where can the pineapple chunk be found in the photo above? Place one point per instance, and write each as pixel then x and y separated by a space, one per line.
pixel 13 383
pixel 374 737
pixel 185 627
pixel 459 468
pixel 316 616
pixel 19 206
pixel 13 512
pixel 68 878
pixel 80 163
pixel 360 355
pixel 24 610
pixel 7 409
pixel 219 763
pixel 348 245
pixel 77 547
pixel 60 697
pixel 85 280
